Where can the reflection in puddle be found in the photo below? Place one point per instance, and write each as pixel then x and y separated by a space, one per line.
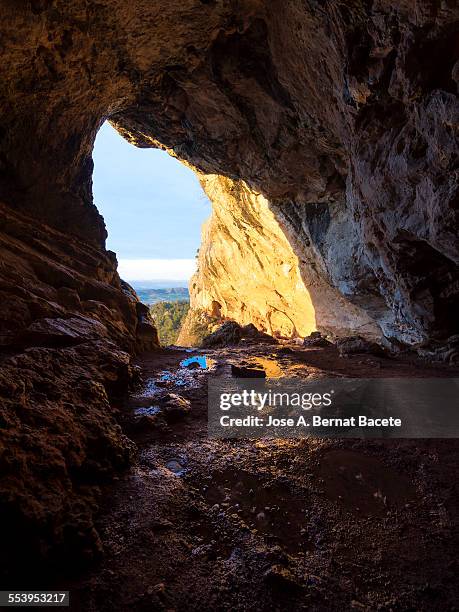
pixel 150 388
pixel 198 361
pixel 184 376
pixel 175 466
pixel 180 378
pixel 147 411
pixel 270 366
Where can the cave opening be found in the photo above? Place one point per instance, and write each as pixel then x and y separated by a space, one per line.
pixel 153 208
pixel 156 211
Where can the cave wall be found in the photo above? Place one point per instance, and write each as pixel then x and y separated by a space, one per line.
pixel 342 115
pixel 340 108
pixel 67 335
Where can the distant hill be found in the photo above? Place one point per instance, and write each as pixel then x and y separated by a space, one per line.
pixel 166 294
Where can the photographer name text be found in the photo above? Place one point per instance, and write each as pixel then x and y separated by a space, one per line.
pixel 314 421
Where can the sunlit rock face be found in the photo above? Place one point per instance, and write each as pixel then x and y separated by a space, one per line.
pixel 341 115
pixel 248 272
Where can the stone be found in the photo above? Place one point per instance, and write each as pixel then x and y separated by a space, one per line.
pixel 247 266
pixel 231 333
pixel 356 345
pixel 285 350
pixel 60 332
pixel 247 372
pixel 315 339
pixel 174 407
pixel 279 576
pixel 250 333
pixel 228 334
pixel 445 352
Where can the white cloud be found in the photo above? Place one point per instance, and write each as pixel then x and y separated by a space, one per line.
pixel 156 269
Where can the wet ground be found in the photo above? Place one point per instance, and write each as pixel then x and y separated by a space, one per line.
pixel 202 524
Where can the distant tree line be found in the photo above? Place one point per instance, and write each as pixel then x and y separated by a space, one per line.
pixel 168 317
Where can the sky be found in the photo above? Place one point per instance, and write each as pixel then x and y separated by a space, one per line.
pixel 153 208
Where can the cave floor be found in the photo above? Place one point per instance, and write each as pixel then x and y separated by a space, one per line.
pixel 203 524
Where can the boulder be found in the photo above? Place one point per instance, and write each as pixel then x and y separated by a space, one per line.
pixel 174 407
pixel 231 333
pixel 356 345
pixel 315 339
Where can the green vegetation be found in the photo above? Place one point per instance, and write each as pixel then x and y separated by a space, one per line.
pixel 168 317
pixel 197 326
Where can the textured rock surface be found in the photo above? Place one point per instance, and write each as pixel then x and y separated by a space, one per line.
pixel 247 270
pixel 66 334
pixel 231 333
pixel 343 115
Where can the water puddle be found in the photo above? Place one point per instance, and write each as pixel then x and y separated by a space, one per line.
pixel 166 376
pixel 149 388
pixel 175 466
pixel 147 411
pixel 270 366
pixel 180 378
pixel 201 362
pixel 187 376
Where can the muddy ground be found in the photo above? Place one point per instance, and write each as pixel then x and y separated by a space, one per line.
pixel 202 524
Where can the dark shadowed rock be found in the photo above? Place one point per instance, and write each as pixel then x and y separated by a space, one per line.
pixel 285 350
pixel 251 333
pixel 281 577
pixel 228 334
pixel 445 352
pixel 231 333
pixel 247 372
pixel 316 340
pixel 356 345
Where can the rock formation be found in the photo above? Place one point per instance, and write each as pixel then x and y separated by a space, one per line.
pixel 247 270
pixel 67 335
pixel 341 117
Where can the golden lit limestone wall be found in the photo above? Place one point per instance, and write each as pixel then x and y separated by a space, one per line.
pixel 247 270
